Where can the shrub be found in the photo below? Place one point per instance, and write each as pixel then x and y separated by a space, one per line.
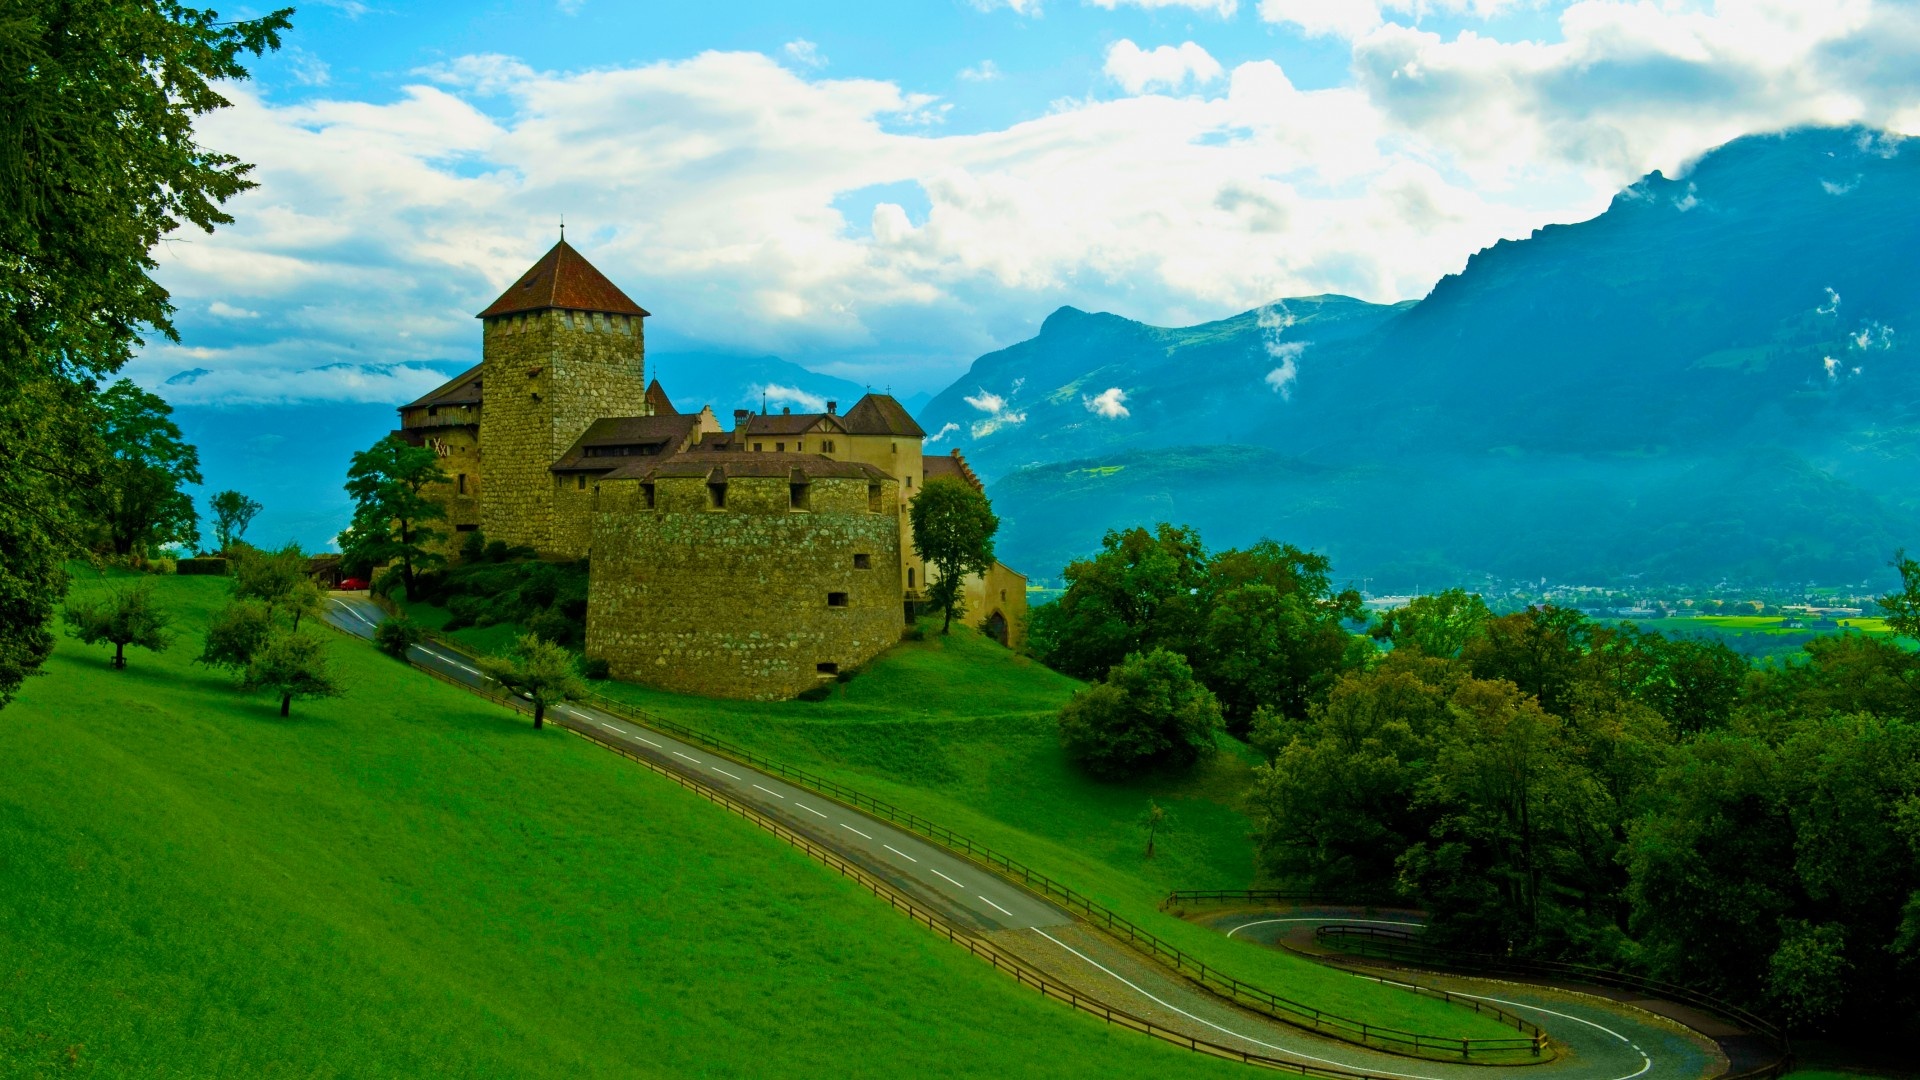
pixel 473 547
pixel 397 635
pixel 1150 713
pixel 550 625
pixel 596 668
pixel 496 551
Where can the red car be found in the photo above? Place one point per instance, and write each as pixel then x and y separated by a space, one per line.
pixel 353 584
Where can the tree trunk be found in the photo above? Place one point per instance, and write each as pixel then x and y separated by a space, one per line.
pixel 539 715
pixel 119 654
pixel 947 626
pixel 286 701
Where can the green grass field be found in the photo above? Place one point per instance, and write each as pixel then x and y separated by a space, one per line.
pixel 1770 624
pixel 408 881
pixel 963 732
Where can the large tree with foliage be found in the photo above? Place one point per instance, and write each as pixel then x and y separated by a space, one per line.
pixel 953 528
pixel 393 515
pixel 1140 592
pixel 538 670
pixel 137 502
pixel 232 513
pixel 292 665
pixel 1274 633
pixel 98 161
pixel 120 616
pixel 1150 713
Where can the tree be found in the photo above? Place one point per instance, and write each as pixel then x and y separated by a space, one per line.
pixel 1142 591
pixel 392 514
pixel 136 501
pixel 121 616
pixel 953 528
pixel 540 671
pixel 1154 820
pixel 1150 713
pixel 98 161
pixel 236 633
pixel 232 513
pixel 397 636
pixel 1903 607
pixel 277 579
pixel 292 665
pixel 1438 625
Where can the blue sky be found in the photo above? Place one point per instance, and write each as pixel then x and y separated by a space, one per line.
pixel 884 191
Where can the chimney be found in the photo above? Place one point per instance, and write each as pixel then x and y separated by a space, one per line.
pixel 786 410
pixel 740 419
pixel 832 407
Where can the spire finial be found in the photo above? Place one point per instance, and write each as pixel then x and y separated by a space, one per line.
pixel 563 228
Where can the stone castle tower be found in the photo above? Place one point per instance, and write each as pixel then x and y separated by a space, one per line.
pixel 563 347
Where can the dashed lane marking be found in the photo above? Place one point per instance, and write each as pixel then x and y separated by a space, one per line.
pixel 945 876
pixel 809 809
pixel 997 907
pixel 678 754
pixel 855 831
pixel 724 773
pixel 771 792
pixel 909 858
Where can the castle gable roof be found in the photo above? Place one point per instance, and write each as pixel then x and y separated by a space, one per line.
pixel 563 278
pixel 616 441
pixel 791 423
pixel 657 400
pixel 953 467
pixel 880 414
pixel 462 389
pixel 735 464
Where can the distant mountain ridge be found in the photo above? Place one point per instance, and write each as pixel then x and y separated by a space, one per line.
pixel 1707 380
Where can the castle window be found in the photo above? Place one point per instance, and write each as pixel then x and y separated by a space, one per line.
pixel 646 495
pixel 463 483
pixel 863 562
pixel 580 482
pixel 827 667
pixel 433 410
pixel 1003 596
pixel 779 448
pixel 873 498
pixel 797 496
pixel 717 496
pixel 909 577
pixel 836 599
pixel 756 448
pixel 909 479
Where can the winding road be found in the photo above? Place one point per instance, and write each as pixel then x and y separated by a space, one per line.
pixel 1597 1039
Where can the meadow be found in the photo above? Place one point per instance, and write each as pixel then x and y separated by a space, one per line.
pixel 409 881
pixel 963 731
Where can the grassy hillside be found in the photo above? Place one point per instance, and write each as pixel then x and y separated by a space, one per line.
pixel 408 881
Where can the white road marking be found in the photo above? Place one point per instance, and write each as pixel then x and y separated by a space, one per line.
pixel 649 742
pixel 678 754
pixel 945 876
pixel 771 792
pixel 1217 1027
pixel 906 856
pixel 724 773
pixel 612 728
pixel 996 907
pixel 1324 920
pixel 855 831
pixel 809 809
pixel 1645 1061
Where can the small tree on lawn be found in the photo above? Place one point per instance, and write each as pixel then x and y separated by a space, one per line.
pixel 1150 713
pixel 392 516
pixel 396 636
pixel 953 527
pixel 121 616
pixel 236 633
pixel 542 671
pixel 232 513
pixel 293 665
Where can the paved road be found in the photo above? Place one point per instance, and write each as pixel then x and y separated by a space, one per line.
pixel 1021 922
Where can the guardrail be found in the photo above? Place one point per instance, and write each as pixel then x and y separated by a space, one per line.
pixel 1529 1043
pixel 1261 896
pixel 1402 945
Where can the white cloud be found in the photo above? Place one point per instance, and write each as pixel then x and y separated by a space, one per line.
pixel 775 394
pixel 1167 67
pixel 1321 18
pixel 1281 379
pixel 986 402
pixel 570 7
pixel 948 429
pixel 1222 8
pixel 1018 7
pixel 1110 403
pixel 805 53
pixel 227 311
pixel 711 188
pixel 984 71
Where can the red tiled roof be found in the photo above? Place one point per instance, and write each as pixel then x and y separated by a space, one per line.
pixel 563 278
pixel 731 464
pixel 880 414
pixel 657 398
pixel 788 424
pixel 649 437
pixel 462 389
pixel 953 466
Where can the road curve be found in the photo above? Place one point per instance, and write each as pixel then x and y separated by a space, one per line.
pixel 1035 929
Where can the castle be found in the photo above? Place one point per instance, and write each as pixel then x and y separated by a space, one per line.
pixel 751 562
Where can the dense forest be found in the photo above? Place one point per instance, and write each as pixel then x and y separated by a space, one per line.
pixel 1546 786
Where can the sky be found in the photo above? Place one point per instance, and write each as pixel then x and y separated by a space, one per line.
pixel 885 191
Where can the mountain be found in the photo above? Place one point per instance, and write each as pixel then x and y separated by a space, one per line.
pixel 729 382
pixel 1705 381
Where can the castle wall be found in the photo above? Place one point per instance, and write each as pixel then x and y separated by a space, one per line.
pixel 548 376
pixel 899 456
pixel 734 602
pixel 573 509
pixel 1003 591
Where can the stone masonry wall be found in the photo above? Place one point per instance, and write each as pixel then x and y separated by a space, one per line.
pixel 548 375
pixel 735 602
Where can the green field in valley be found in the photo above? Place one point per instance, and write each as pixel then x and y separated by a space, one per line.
pixel 409 881
pixel 961 731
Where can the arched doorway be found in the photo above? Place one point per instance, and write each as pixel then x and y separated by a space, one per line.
pixel 996 627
